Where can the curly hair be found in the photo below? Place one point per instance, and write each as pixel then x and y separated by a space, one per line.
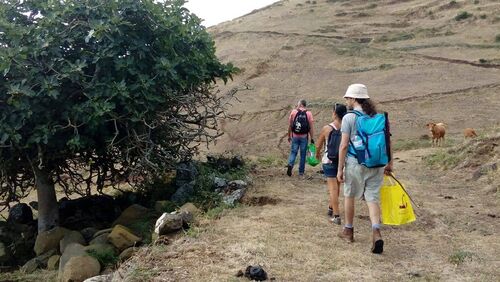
pixel 368 106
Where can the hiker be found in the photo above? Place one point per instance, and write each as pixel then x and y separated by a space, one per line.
pixel 300 128
pixel 329 139
pixel 365 162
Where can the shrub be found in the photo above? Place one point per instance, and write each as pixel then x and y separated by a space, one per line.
pixel 483 16
pixel 105 258
pixel 459 256
pixel 462 16
pixel 497 38
pixel 483 61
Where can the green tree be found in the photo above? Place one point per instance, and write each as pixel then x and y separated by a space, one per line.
pixel 96 92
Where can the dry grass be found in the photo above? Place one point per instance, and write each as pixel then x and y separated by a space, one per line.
pixel 453 239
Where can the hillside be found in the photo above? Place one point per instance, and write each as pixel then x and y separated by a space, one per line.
pixel 421 60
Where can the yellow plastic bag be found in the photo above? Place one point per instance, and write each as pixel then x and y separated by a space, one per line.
pixel 395 204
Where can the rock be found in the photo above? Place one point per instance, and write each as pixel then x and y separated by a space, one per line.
pixel 237 162
pixel 132 214
pixel 237 185
pixel 72 250
pixel 185 172
pixel 121 237
pixel 38 262
pixel 97 211
pixel 101 239
pixel 164 206
pixel 219 183
pixel 48 240
pixel 483 170
pixel 127 253
pixel 19 240
pixel 190 207
pixel 30 266
pixel 187 218
pixel 101 249
pixel 20 213
pixel 183 193
pixel 100 278
pixel 80 268
pixel 100 232
pixel 5 255
pixel 220 163
pixel 53 262
pixel 71 237
pixel 33 205
pixel 168 223
pixel 256 273
pixel 88 233
pixel 234 197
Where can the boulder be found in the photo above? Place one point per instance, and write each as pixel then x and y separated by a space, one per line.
pixel 18 240
pixel 72 250
pixel 483 170
pixel 168 223
pixel 164 206
pixel 219 183
pixel 100 278
pixel 237 185
pixel 80 268
pixel 48 240
pixel 183 193
pixel 187 218
pixel 101 239
pixel 100 232
pixel 53 262
pixel 190 207
pixel 101 249
pixel 5 256
pixel 69 238
pixel 93 211
pixel 40 261
pixel 20 213
pixel 234 197
pixel 185 172
pixel 127 253
pixel 132 214
pixel 88 233
pixel 121 237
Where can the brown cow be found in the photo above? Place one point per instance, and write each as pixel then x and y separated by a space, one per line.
pixel 469 133
pixel 438 131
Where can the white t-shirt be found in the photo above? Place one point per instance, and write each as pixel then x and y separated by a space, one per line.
pixel 325 159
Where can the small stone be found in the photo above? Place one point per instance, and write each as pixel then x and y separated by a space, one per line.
pixel 168 223
pixel 53 263
pixel 122 238
pixel 80 268
pixel 127 253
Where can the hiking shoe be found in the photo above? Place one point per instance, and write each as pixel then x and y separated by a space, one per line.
pixel 289 170
pixel 378 243
pixel 347 234
pixel 330 212
pixel 336 220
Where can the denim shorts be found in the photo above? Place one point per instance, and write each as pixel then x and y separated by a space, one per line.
pixel 330 170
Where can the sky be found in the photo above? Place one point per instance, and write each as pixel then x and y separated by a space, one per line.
pixel 217 11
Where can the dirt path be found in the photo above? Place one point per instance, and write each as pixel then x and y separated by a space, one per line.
pixel 293 240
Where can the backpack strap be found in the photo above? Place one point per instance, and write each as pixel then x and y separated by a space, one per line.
pixel 350 149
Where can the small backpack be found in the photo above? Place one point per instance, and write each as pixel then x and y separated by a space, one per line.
pixel 370 145
pixel 300 124
pixel 333 145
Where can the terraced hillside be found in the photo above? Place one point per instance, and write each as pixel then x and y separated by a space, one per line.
pixel 421 60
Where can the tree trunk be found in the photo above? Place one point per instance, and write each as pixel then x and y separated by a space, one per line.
pixel 48 211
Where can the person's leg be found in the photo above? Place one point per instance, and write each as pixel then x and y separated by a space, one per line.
pixel 372 195
pixel 293 155
pixel 303 152
pixel 349 211
pixel 333 189
pixel 353 188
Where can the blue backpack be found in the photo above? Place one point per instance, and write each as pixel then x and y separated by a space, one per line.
pixel 370 145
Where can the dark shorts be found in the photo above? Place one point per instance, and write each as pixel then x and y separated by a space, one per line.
pixel 330 170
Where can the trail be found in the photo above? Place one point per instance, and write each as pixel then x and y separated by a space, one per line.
pixel 293 240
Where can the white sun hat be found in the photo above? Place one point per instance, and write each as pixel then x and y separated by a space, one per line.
pixel 357 91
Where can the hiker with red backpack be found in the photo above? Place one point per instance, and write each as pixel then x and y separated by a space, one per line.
pixel 365 154
pixel 300 128
pixel 329 139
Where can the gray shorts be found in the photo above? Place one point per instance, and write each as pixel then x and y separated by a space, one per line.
pixel 360 180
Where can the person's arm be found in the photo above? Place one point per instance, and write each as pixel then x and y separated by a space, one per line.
pixel 344 144
pixel 321 141
pixel 290 118
pixel 311 128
